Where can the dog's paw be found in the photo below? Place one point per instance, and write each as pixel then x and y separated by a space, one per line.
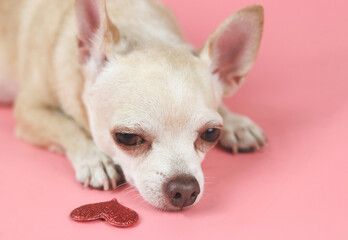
pixel 240 134
pixel 94 169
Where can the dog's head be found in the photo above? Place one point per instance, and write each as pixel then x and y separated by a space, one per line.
pixel 153 109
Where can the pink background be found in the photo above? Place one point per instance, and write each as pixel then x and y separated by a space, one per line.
pixel 297 188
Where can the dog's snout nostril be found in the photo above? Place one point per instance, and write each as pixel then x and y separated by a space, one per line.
pixel 177 196
pixel 182 191
pixel 193 195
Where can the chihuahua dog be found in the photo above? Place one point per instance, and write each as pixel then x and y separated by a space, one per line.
pixel 114 86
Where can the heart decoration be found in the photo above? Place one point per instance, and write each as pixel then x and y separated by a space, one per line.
pixel 112 211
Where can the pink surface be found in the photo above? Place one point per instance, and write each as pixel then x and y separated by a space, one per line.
pixel 297 188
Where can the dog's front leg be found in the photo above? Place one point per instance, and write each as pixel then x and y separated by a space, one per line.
pixel 239 133
pixel 50 128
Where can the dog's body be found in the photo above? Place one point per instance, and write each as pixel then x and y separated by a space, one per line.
pixel 123 87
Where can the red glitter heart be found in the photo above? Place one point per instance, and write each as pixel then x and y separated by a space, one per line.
pixel 111 211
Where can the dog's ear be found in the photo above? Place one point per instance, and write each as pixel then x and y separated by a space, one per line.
pixel 96 34
pixel 232 49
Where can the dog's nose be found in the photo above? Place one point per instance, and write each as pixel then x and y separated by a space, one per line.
pixel 182 191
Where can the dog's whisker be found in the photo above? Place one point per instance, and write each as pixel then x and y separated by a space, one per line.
pixel 132 191
pixel 210 177
pixel 129 188
pixel 122 184
pixel 129 191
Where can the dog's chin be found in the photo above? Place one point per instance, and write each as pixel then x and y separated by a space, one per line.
pixel 165 205
pixel 170 208
pixel 176 209
pixel 160 203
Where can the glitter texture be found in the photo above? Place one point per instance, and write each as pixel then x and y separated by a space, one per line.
pixel 111 211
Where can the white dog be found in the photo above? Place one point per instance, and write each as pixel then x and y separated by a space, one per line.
pixel 115 84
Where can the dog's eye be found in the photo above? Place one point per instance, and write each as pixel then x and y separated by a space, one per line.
pixel 129 139
pixel 211 135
